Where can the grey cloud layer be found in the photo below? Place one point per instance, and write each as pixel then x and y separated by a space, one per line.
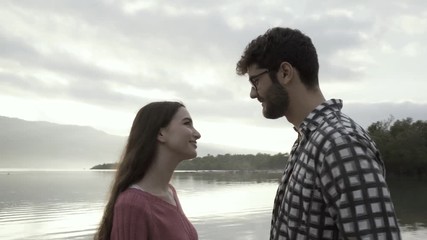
pixel 175 37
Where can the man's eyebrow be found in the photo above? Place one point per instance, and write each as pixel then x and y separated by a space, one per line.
pixel 252 77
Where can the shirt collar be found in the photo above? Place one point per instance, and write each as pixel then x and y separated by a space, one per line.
pixel 316 117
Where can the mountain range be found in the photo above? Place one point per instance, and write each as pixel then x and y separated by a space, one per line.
pixel 46 145
pixel 28 144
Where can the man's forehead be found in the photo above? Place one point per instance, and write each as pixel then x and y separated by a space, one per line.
pixel 252 68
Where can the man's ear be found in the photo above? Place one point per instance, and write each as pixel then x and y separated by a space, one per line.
pixel 286 73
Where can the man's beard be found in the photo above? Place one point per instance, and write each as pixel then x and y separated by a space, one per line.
pixel 276 102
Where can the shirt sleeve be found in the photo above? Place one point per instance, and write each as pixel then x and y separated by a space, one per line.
pixel 130 222
pixel 354 187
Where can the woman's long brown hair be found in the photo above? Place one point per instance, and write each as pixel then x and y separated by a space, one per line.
pixel 138 155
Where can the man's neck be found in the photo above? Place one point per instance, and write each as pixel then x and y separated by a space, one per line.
pixel 303 105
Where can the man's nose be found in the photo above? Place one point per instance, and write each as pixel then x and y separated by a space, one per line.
pixel 253 93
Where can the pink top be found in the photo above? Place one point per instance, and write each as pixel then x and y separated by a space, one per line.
pixel 143 216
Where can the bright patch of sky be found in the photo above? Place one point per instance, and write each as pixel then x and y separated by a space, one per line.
pixel 96 63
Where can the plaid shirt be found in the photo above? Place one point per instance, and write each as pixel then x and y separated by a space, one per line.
pixel 333 186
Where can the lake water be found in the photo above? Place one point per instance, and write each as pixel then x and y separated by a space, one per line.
pixel 221 205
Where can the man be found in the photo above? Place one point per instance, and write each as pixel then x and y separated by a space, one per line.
pixel 333 186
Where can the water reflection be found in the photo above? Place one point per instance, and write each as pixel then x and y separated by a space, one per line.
pixel 238 203
pixel 410 197
pixel 228 176
pixel 68 205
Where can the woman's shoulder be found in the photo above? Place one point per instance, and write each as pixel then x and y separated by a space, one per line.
pixel 131 214
pixel 133 198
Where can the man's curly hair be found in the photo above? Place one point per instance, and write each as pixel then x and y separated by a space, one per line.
pixel 279 45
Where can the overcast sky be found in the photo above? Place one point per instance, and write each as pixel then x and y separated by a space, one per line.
pixel 95 63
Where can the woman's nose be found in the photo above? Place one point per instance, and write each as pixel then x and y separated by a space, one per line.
pixel 197 134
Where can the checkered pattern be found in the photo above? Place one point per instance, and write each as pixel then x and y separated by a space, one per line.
pixel 333 186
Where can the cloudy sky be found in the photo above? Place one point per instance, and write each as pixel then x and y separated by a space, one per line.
pixel 96 62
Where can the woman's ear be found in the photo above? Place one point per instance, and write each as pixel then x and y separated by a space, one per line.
pixel 161 135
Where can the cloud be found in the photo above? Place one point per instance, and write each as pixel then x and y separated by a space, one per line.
pixel 120 55
pixel 368 113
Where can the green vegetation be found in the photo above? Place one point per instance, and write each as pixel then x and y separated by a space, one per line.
pixel 236 162
pixel 402 143
pixel 105 166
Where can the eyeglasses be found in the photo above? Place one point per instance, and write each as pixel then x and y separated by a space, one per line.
pixel 254 79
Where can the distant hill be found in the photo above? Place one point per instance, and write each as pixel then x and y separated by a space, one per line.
pixel 27 144
pixel 35 144
pixel 245 162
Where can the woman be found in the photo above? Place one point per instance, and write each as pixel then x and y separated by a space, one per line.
pixel 143 204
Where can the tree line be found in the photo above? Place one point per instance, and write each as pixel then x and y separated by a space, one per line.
pixel 402 143
pixel 259 161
